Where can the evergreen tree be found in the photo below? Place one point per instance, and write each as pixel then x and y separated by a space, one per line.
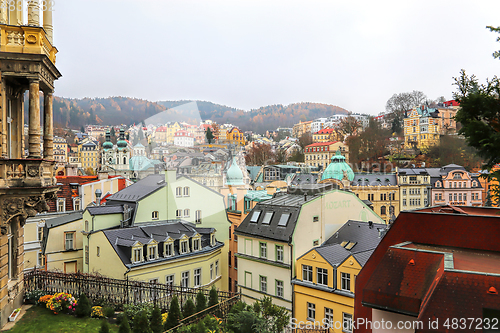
pixel 141 323
pixel 104 326
pixel 83 308
pixel 174 314
pixel 156 325
pixel 124 325
pixel 200 327
pixel 189 308
pixel 213 299
pixel 201 302
pixel 209 135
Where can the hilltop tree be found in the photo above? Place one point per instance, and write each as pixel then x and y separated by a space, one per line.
pixel 496 54
pixel 398 104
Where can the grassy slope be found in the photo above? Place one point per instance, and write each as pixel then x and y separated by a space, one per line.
pixel 38 320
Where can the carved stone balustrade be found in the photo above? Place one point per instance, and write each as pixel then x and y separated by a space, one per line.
pixel 27 173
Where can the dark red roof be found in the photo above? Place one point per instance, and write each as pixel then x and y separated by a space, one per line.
pixel 325 131
pixel 458 293
pixel 451 103
pixel 66 192
pixel 322 144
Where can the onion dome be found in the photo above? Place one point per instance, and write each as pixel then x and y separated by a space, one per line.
pixel 234 176
pixel 122 143
pixel 108 144
pixel 338 169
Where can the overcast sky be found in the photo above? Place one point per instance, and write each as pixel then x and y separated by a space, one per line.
pixel 247 54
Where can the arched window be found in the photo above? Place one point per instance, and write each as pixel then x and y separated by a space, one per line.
pixel 125 160
pixel 382 210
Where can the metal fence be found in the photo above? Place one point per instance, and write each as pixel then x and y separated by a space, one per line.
pixel 117 292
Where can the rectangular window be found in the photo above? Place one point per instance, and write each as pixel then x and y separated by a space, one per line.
pixel 186 191
pixel 307 273
pixel 152 252
pixel 211 271
pixel 328 316
pixel 346 322
pixel 77 205
pixel 311 311
pixel 267 218
pixel 196 245
pixel 322 276
pixel 263 250
pixel 184 246
pixel 178 213
pixel 235 262
pixel 178 191
pixel 284 219
pixel 255 216
pixel 346 281
pixel 217 268
pixel 198 216
pixel 137 255
pixel 404 202
pixel 168 249
pixel 69 238
pixel 154 215
pixel 279 288
pixel 61 205
pixel 41 259
pixel 169 280
pixel 40 233
pixel 315 218
pixel 186 212
pixel 197 277
pixel 279 253
pixel 263 284
pixel 185 279
pixel 98 251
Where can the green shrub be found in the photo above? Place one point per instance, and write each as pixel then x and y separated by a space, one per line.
pixel 83 308
pixel 213 299
pixel 174 314
pixel 201 302
pixel 156 325
pixel 108 311
pixel 189 308
pixel 104 326
pixel 124 325
pixel 132 310
pixel 141 323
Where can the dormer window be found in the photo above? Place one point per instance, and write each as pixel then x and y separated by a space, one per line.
pixel 212 239
pixel 137 254
pixel 184 246
pixel 153 251
pixel 196 244
pixel 474 183
pixel 438 184
pixel 169 249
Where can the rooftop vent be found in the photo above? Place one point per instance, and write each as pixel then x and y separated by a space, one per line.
pixel 411 262
pixel 493 291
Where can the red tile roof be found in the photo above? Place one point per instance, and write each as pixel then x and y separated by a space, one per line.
pixel 322 144
pixel 66 192
pixel 325 131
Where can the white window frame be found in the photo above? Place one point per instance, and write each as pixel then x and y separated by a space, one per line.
pixel 137 250
pixel 323 273
pixel 170 246
pixel 71 241
pixel 280 253
pixel 152 251
pixel 311 311
pixel 178 213
pixel 186 191
pixel 170 280
pixel 307 272
pixel 263 284
pixel 197 277
pixel 178 191
pixel 198 218
pixel 346 322
pixel 187 212
pixel 217 268
pixel 196 244
pixel 184 246
pixel 345 281
pixel 185 279
pixel 280 289
pixel 155 215
pixel 63 207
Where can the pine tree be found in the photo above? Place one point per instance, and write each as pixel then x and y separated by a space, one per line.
pixel 124 325
pixel 174 314
pixel 201 302
pixel 156 325
pixel 189 308
pixel 209 135
pixel 213 299
pixel 83 308
pixel 104 326
pixel 141 323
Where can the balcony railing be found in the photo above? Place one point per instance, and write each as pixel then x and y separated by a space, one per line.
pixel 27 173
pixel 26 39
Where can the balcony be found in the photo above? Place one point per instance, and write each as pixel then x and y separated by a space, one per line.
pixel 15 173
pixel 26 39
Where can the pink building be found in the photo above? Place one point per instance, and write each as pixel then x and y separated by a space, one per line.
pixel 453 185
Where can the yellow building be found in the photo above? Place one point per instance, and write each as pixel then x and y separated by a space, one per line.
pixel 62 244
pixel 168 252
pixel 326 135
pixel 161 135
pixel 171 129
pixel 88 154
pixel 422 127
pixel 320 153
pixel 235 136
pixel 60 149
pixel 381 190
pixel 301 128
pixel 414 188
pixel 325 276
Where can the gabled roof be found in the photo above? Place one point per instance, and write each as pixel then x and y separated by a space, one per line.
pixel 372 179
pixel 57 221
pixel 141 189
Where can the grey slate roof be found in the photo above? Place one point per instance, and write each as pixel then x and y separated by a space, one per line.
pixel 366 237
pixel 141 189
pixel 57 221
pixel 123 239
pixel 103 210
pixel 304 178
pixel 373 179
pixel 279 205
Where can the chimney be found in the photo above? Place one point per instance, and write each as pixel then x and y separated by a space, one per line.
pixel 170 175
pixel 370 224
pixel 102 175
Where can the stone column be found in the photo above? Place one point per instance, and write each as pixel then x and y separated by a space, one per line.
pixel 47 24
pixel 34 120
pixel 33 13
pixel 48 126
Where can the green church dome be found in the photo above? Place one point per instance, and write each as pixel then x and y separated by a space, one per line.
pixel 234 176
pixel 108 144
pixel 337 168
pixel 122 143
